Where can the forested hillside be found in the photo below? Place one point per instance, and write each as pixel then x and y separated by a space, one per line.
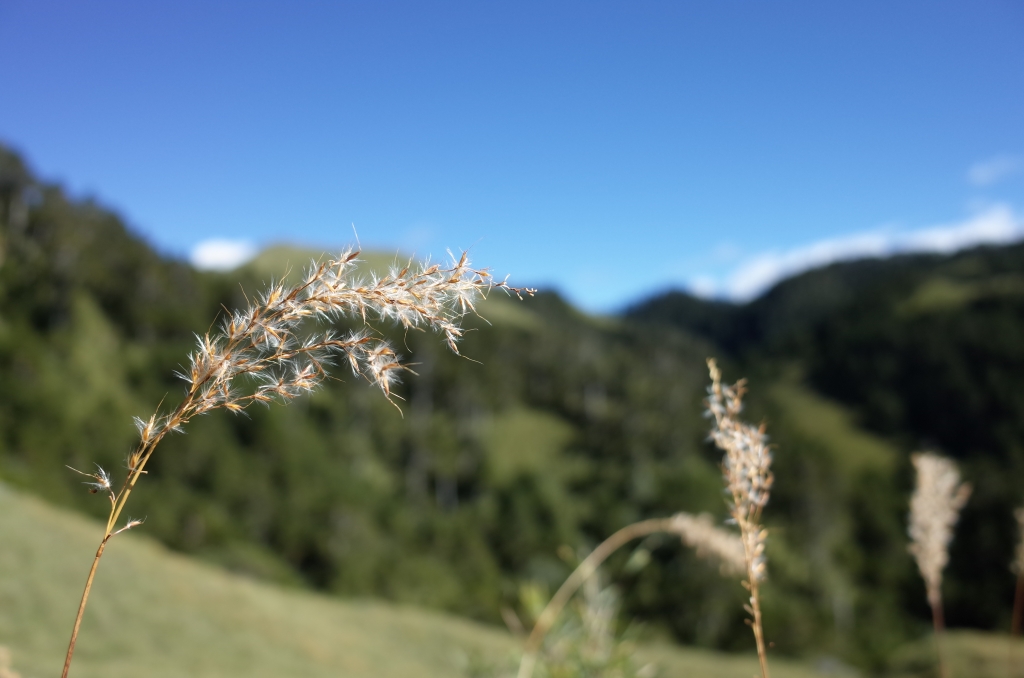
pixel 557 430
pixel 925 351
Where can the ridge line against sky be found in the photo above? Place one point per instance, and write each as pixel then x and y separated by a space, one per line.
pixel 603 149
pixel 996 224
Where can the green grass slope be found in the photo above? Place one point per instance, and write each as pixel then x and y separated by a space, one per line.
pixel 289 262
pixel 157 614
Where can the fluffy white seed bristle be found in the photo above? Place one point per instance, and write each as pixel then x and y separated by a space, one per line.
pixel 934 510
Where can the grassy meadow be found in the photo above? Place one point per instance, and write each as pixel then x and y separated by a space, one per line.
pixel 161 615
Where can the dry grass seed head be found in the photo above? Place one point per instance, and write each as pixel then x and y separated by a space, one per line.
pixel 746 465
pixel 934 510
pixel 710 541
pixel 264 341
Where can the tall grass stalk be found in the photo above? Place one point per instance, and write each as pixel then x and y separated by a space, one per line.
pixel 748 479
pixel 1017 567
pixel 269 342
pixel 934 510
pixel 696 531
pixel 746 467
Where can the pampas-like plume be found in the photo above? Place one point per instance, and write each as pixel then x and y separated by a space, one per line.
pixel 266 343
pixel 934 509
pixel 746 467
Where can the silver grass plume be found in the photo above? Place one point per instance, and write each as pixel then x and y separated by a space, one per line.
pixel 264 340
pixel 934 509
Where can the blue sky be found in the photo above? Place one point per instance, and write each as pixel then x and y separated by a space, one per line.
pixel 608 149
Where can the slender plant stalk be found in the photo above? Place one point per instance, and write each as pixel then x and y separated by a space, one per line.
pixel 117 503
pixel 753 547
pixel 265 342
pixel 939 627
pixel 755 612
pixel 746 468
pixel 81 605
pixel 749 529
pixel 583 571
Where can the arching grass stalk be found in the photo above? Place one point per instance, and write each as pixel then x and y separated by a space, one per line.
pixel 696 531
pixel 268 342
pixel 746 468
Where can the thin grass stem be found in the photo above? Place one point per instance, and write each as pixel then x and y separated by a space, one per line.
pixel 939 627
pixel 696 531
pixel 583 571
pixel 81 605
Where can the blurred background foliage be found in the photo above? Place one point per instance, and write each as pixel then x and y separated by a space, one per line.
pixel 559 430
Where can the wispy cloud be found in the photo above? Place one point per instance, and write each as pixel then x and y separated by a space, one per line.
pixel 219 254
pixel 993 169
pixel 997 224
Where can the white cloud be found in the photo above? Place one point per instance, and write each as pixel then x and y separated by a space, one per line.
pixel 992 170
pixel 997 224
pixel 219 254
